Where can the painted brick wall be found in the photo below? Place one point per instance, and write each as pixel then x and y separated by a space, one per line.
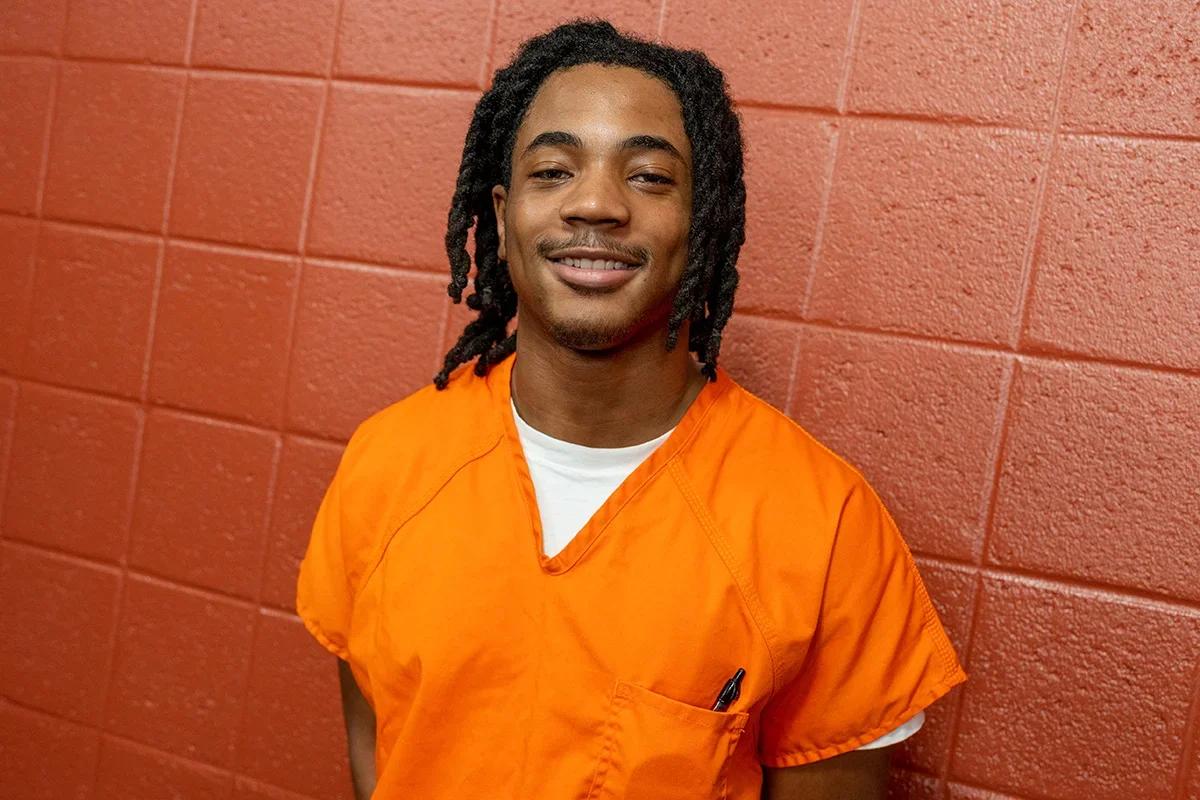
pixel 973 268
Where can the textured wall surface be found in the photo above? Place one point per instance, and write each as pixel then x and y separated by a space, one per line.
pixel 973 268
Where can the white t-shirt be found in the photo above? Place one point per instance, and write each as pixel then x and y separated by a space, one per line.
pixel 571 482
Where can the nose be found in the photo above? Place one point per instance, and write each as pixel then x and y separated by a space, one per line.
pixel 596 198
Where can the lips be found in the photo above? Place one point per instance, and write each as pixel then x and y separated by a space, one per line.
pixel 593 263
pixel 592 274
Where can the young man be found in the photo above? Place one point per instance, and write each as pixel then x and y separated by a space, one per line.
pixel 593 566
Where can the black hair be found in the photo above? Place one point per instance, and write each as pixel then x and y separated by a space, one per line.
pixel 718 219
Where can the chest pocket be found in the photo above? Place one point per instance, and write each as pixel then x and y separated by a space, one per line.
pixel 656 748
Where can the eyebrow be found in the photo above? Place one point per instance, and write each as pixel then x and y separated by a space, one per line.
pixel 642 141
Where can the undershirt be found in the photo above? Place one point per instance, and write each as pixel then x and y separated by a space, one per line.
pixel 571 481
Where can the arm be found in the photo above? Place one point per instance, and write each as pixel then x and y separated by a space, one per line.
pixel 360 733
pixel 857 775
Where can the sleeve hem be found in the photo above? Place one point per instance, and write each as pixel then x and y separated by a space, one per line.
pixel 320 635
pixel 800 757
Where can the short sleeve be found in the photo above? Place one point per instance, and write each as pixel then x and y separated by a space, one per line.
pixel 879 654
pixel 324 594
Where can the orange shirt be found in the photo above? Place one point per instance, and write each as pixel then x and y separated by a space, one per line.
pixel 497 672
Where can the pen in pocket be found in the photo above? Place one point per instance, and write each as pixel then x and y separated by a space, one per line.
pixel 730 691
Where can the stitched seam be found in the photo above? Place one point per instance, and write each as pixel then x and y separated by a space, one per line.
pixel 765 629
pixel 799 757
pixel 610 737
pixel 738 719
pixel 319 634
pixel 930 623
pixel 683 445
pixel 723 779
pixel 403 517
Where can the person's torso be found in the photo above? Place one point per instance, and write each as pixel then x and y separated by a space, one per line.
pixel 496 671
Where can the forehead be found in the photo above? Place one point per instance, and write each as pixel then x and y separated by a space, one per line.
pixel 605 104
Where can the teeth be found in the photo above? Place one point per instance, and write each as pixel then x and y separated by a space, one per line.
pixel 589 263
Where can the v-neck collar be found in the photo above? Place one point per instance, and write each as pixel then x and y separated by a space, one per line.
pixel 499 382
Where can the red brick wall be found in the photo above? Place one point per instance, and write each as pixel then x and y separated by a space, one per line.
pixel 973 268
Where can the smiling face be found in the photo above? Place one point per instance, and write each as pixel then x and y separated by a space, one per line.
pixel 594 224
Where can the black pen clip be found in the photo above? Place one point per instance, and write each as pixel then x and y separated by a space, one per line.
pixel 730 691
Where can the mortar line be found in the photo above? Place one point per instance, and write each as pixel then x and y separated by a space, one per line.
pixel 834 149
pixel 489 43
pixel 848 56
pixel 792 372
pixel 1004 416
pixel 1188 749
pixel 1028 282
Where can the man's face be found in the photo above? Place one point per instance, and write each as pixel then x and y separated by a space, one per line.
pixel 595 223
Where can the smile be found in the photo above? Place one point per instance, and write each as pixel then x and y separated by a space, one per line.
pixel 590 263
pixel 594 274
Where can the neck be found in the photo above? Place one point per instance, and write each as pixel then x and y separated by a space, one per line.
pixel 614 398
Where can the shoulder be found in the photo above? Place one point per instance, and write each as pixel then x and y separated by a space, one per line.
pixel 781 502
pixel 425 429
pixel 795 517
pixel 750 452
pixel 406 452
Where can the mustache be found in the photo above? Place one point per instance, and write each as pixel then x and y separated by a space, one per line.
pixel 547 246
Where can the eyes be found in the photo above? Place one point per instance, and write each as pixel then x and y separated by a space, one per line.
pixel 642 177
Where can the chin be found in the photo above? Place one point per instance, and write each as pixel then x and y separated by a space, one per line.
pixel 592 335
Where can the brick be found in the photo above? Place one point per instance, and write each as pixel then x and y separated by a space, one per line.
pixel 110 147
pixel 220 343
pixel 24 105
pixel 389 163
pixel 131 772
pixel 72 472
pixel 365 338
pixel 8 412
pixel 61 616
pixel 44 758
pixel 305 469
pixel 412 40
pixel 127 30
pixel 1134 72
pixel 930 242
pixel 181 670
pixel 292 735
pixel 907 784
pixel 996 63
pixel 1094 478
pixel 1193 788
pixel 246 789
pixel 784 53
pixel 918 419
pixel 952 589
pixel 92 300
pixel 18 241
pixel 786 160
pixel 269 35
pixel 1117 272
pixel 961 792
pixel 32 26
pixel 759 354
pixel 518 20
pixel 178 531
pixel 1075 694
pixel 252 138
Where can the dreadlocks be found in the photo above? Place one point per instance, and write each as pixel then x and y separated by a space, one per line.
pixel 718 221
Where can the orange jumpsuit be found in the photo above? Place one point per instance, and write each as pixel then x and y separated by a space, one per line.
pixel 497 672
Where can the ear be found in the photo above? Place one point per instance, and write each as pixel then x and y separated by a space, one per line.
pixel 499 203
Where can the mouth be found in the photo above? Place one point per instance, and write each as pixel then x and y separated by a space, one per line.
pixel 600 273
pixel 594 263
